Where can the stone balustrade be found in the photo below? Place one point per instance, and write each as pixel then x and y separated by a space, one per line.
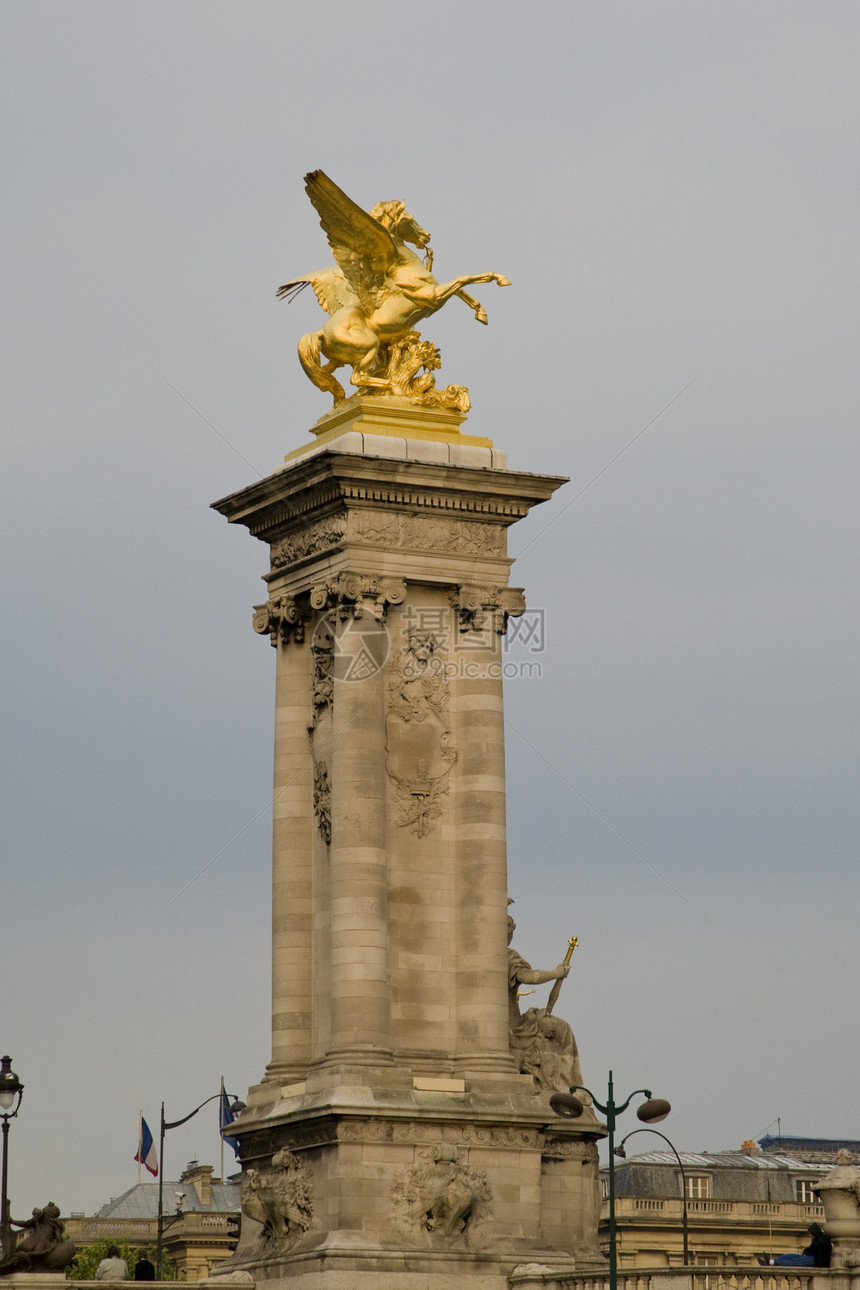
pixel 534 1277
pixel 633 1207
pixel 722 1233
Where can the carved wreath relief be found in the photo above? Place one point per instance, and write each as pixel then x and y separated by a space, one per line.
pixel 420 755
pixel 442 1201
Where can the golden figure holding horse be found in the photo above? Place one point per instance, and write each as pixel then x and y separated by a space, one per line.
pixel 375 294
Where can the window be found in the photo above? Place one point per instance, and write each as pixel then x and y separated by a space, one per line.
pixel 698 1187
pixel 803 1192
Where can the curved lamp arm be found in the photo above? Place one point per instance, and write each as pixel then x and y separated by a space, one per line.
pixel 619 1151
pixel 165 1125
pixel 174 1124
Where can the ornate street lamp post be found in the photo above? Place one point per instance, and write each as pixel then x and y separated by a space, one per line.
pixel 235 1107
pixel 11 1090
pixel 619 1151
pixel 651 1111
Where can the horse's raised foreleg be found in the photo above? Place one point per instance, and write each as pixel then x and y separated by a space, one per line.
pixel 448 289
pixel 480 311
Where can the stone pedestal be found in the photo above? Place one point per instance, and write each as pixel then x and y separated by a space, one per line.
pixel 392 1132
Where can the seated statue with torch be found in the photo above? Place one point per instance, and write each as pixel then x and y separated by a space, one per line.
pixel 542 1045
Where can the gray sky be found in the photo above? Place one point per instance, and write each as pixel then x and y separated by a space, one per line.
pixel 673 189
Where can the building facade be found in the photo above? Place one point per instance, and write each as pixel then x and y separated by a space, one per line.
pixel 201 1223
pixel 740 1205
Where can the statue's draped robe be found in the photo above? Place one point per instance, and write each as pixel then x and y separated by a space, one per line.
pixel 542 1044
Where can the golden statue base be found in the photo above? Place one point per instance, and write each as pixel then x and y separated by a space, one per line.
pixel 392 418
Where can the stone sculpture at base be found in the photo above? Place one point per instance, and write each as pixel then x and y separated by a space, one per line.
pixel 282 1203
pixel 441 1202
pixel 41 1245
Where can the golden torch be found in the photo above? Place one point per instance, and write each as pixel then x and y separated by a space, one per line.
pixel 556 989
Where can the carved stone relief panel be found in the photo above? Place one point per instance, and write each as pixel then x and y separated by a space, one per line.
pixel 441 1201
pixel 419 753
pixel 310 540
pixel 322 800
pixel 399 531
pixel 322 679
pixel 281 1201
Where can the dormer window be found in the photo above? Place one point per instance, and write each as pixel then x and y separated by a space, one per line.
pixel 698 1186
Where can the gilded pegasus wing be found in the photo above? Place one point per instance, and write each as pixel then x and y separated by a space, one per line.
pixel 363 248
pixel 330 288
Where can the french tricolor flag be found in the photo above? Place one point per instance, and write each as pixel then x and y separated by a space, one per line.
pixel 146 1153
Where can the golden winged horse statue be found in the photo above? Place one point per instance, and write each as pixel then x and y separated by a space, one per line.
pixel 374 294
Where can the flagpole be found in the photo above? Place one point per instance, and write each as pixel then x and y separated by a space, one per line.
pixel 139 1142
pixel 220 1134
pixel 159 1242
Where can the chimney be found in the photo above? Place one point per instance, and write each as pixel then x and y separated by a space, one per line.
pixel 200 1176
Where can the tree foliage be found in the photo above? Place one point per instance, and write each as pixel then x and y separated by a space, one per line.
pixel 83 1265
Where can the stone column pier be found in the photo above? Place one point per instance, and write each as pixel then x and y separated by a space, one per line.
pixel 360 986
pixel 292 878
pixel 392 1135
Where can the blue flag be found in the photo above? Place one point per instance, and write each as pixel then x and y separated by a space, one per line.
pixel 225 1118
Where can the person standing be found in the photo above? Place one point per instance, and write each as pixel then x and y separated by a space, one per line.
pixel 112 1268
pixel 144 1269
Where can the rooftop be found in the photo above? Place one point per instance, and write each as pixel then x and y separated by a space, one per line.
pixel 728 1160
pixel 141 1201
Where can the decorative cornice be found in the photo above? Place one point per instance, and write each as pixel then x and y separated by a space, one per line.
pixel 569 1149
pixel 332 1129
pixel 328 481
